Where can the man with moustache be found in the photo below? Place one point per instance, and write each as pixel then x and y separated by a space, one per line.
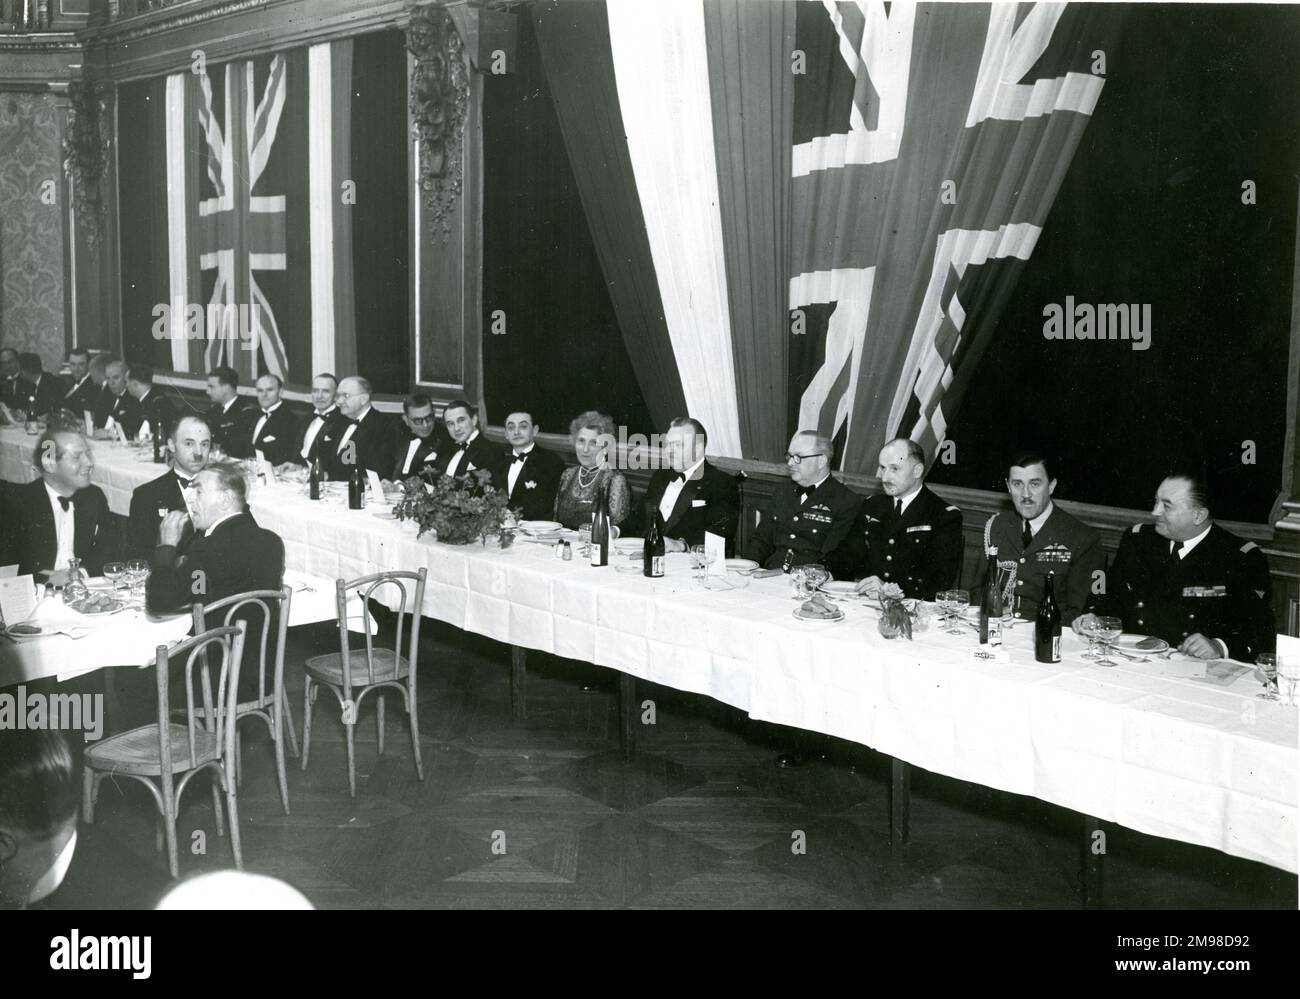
pixel 324 413
pixel 1186 580
pixel 117 407
pixel 60 514
pixel 365 437
pixel 190 445
pixel 228 417
pixel 469 449
pixel 275 432
pixel 691 495
pixel 80 394
pixel 153 407
pixel 812 516
pixel 907 535
pixel 421 441
pixel 1038 537
pixel 532 473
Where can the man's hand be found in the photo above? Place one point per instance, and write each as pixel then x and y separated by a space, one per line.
pixel 1083 621
pixel 286 466
pixel 868 584
pixel 1201 647
pixel 674 545
pixel 172 527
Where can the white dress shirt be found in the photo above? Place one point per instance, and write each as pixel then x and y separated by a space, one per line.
pixel 1190 543
pixel 516 469
pixel 261 422
pixel 674 489
pixel 1037 523
pixel 907 500
pixel 454 465
pixel 68 394
pixel 65 527
pixel 313 428
pixel 803 496
pixel 352 429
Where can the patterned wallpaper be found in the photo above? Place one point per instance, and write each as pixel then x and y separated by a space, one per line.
pixel 31 234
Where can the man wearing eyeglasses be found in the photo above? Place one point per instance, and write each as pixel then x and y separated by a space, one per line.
pixel 418 445
pixel 365 436
pixel 811 517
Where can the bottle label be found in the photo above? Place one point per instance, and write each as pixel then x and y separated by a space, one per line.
pixel 656 565
pixel 995 631
pixel 1056 648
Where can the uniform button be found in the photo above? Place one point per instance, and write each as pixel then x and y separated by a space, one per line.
pixel 814 530
pixel 791 537
pixel 886 575
pixel 1184 634
pixel 1191 617
pixel 1140 621
pixel 889 558
pixel 1141 604
pixel 1022 561
pixel 1020 582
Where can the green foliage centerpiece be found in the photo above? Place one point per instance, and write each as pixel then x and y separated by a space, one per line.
pixel 457 511
pixel 895 621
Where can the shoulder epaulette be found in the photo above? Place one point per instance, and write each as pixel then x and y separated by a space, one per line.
pixel 1248 546
pixel 952 509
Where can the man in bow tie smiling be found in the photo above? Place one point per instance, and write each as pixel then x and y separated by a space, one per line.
pixel 691 495
pixel 190 445
pixel 275 428
pixel 422 440
pixel 532 473
pixel 470 449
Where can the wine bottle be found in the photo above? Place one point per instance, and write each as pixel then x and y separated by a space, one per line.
pixel 652 552
pixel 356 488
pixel 313 480
pixel 1047 625
pixel 157 445
pixel 991 604
pixel 600 531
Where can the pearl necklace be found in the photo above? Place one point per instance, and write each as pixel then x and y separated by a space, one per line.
pixel 584 483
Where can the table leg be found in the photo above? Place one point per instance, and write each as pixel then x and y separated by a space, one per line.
pixel 900 804
pixel 628 716
pixel 518 676
pixel 1094 856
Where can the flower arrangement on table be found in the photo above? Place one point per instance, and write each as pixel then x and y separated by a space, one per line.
pixel 898 616
pixel 458 511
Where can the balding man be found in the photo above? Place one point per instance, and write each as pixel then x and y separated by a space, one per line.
pixel 190 445
pixel 812 516
pixel 325 412
pixel 906 535
pixel 365 438
pixel 228 416
pixel 1186 580
pixel 117 407
pixel 692 496
pixel 59 515
pixel 275 430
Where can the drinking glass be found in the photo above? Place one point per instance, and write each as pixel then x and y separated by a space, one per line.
pixel 113 572
pixel 1267 663
pixel 807 579
pixel 952 601
pixel 584 541
pixel 1087 628
pixel 1288 669
pixel 698 565
pixel 137 571
pixel 1108 629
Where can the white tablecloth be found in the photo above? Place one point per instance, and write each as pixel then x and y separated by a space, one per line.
pixel 1138 744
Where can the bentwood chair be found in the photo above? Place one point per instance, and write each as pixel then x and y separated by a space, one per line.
pixel 264 610
pixel 156 754
pixel 352 674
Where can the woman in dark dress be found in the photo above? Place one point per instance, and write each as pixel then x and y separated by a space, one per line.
pixel 592 434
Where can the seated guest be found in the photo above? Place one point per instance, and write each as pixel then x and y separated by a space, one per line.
pixel 275 430
pixel 1187 580
pixel 907 535
pixel 38 393
pixel 81 391
pixel 812 516
pixel 154 409
pixel 99 369
pixel 365 436
pixel 59 515
pixel 324 412
pixel 691 495
pixel 190 444
pixel 1038 537
pixel 228 417
pixel 468 450
pixel 233 555
pixel 421 439
pixel 40 790
pixel 592 434
pixel 9 377
pixel 532 472
pixel 117 407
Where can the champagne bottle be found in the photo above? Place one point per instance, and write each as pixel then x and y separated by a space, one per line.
pixel 991 604
pixel 1047 625
pixel 157 445
pixel 600 531
pixel 313 480
pixel 652 554
pixel 356 488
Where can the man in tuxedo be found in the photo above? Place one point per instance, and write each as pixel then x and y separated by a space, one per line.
pixel 9 377
pixel 532 474
pixel 117 407
pixel 1039 537
pixel 275 433
pixel 811 517
pixel 38 393
pixel 59 515
pixel 691 495
pixel 1185 579
pixel 418 446
pixel 469 449
pixel 364 438
pixel 153 407
pixel 190 445
pixel 324 412
pixel 907 535
pixel 228 416
pixel 82 390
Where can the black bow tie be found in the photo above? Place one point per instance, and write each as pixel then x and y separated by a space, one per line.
pixel 519 457
pixel 65 502
pixel 678 477
pixel 184 482
pixel 266 412
pixel 462 446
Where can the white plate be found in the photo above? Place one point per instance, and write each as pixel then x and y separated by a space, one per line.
pixel 741 565
pixel 1129 643
pixel 540 526
pixel 817 620
pixel 843 587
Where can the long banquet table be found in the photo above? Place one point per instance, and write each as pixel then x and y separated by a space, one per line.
pixel 1145 745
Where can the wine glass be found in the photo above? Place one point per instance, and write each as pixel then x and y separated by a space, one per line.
pixel 952 601
pixel 1288 669
pixel 698 565
pixel 1267 663
pixel 113 572
pixel 137 571
pixel 1086 627
pixel 1108 629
